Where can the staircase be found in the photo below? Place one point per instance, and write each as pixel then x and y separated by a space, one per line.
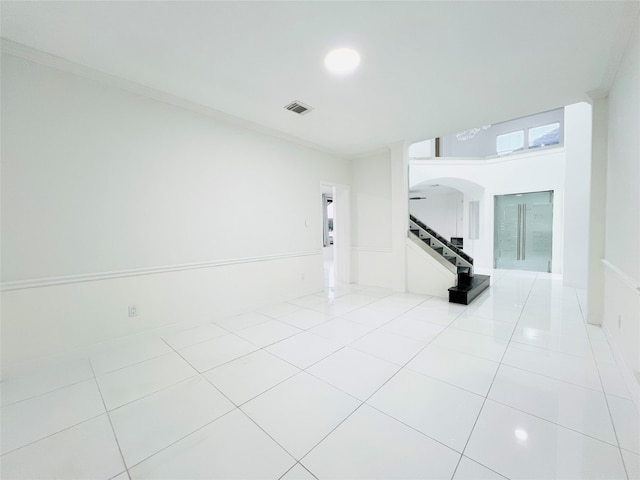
pixel 468 286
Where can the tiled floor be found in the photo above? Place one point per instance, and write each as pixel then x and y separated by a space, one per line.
pixel 354 382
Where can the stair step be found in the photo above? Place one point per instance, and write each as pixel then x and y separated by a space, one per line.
pixel 466 294
pixel 451 259
pixel 438 249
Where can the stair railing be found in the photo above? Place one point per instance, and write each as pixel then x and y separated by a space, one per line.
pixel 435 241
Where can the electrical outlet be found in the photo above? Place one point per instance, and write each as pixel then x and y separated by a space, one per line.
pixel 619 321
pixel 302 276
pixel 133 311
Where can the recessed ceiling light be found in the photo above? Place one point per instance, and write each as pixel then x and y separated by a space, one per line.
pixel 342 61
pixel 521 434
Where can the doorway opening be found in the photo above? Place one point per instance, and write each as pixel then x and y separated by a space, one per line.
pixel 336 240
pixel 328 247
pixel 523 236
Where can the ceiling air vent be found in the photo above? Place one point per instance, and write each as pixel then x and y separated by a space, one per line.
pixel 299 108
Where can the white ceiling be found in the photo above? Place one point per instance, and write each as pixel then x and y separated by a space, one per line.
pixel 428 68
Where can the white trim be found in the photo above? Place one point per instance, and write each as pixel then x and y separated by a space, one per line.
pixel 90 277
pixel 626 279
pixel 31 54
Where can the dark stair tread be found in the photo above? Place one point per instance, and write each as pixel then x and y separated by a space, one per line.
pixel 464 294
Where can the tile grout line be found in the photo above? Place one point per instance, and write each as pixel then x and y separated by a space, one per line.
pixel 182 438
pixel 309 366
pixel 378 389
pixel 155 335
pixel 491 385
pixel 203 376
pixel 439 380
pixel 219 365
pixel 554 378
pixel 237 407
pixel 389 379
pixel 147 395
pixel 604 393
pixel 405 366
pixel 411 427
pixel 113 430
pixel 46 393
pixel 298 461
pixel 199 342
pixel 158 390
pixel 82 353
pixel 52 434
pixel 379 327
pixel 154 357
pixel 107 411
pixel 554 423
pixel 399 368
pixel 269 435
pixel 428 342
pixel 342 346
pixel 294 466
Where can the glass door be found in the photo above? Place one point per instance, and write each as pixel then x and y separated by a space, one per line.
pixel 523 235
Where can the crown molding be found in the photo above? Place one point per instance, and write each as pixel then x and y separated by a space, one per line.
pixel 25 52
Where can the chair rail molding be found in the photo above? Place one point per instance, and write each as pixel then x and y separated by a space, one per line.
pixel 632 283
pixel 90 277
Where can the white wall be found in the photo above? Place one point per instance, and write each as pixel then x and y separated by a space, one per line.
pixel 438 278
pixel 622 237
pixel 100 183
pixel 526 172
pixel 371 220
pixel 441 212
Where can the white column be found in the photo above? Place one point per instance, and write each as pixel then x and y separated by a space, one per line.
pixel 597 210
pixel 399 213
pixel 577 180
